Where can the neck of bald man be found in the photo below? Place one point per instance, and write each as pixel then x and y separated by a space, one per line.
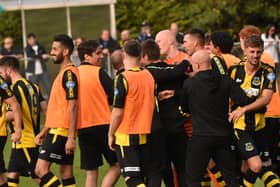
pixel 205 66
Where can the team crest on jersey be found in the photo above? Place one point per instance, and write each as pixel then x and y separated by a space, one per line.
pixel 116 92
pixel 249 146
pixel 70 84
pixel 256 81
pixel 4 86
pixel 271 76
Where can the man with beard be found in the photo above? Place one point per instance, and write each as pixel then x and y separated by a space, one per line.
pixel 61 121
pixel 24 152
pixel 7 97
pixel 257 79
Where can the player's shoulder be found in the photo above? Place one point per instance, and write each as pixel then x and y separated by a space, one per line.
pixel 268 71
pixel 2 79
pixel 70 74
pixel 267 67
pixel 236 66
pixel 216 57
pixel 3 84
pixel 71 70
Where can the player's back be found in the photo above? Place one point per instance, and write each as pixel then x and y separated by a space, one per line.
pixel 29 97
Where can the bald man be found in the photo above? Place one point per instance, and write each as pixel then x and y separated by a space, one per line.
pixel 206 97
pixel 117 61
pixel 168 49
pixel 208 93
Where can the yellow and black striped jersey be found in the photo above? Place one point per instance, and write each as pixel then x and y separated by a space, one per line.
pixel 5 93
pixel 253 85
pixel 29 97
pixel 3 123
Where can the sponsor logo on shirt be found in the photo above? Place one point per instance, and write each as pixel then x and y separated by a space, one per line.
pixel 271 76
pixel 250 92
pixel 4 86
pixel 116 92
pixel 70 84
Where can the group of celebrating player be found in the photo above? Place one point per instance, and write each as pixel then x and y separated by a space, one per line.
pixel 177 117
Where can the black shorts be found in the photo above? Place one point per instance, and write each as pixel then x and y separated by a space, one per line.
pixel 250 143
pixel 55 151
pixel 3 140
pixel 157 150
pixel 93 142
pixel 133 159
pixel 272 136
pixel 23 161
pixel 176 146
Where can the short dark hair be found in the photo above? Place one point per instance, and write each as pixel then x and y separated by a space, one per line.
pixel 151 49
pixel 9 61
pixel 222 40
pixel 87 48
pixel 31 35
pixel 207 37
pixel 132 48
pixel 66 41
pixel 254 41
pixel 198 33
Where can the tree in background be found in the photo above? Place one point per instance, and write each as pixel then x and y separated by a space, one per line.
pixel 210 15
pixel 11 26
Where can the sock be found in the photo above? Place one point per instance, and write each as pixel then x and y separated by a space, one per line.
pixel 218 175
pixel 269 178
pixel 135 182
pixel 13 182
pixel 206 180
pixel 4 185
pixel 69 182
pixel 250 178
pixel 50 180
